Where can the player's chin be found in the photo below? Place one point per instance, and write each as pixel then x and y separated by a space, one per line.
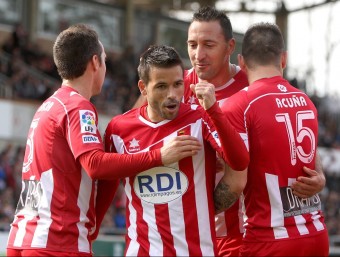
pixel 171 113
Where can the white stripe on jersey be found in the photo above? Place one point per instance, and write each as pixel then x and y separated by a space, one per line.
pixel 44 223
pixel 299 219
pixel 316 221
pixel 19 237
pixel 276 209
pixel 155 239
pixel 300 224
pixel 132 250
pixel 177 217
pixel 206 242
pixel 118 142
pixel 83 204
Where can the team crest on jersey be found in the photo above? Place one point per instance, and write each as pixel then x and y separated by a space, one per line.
pixel 160 185
pixel 88 121
pixel 282 88
pixel 134 145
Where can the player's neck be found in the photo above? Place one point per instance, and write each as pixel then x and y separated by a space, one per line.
pixel 225 76
pixel 151 116
pixel 80 86
pixel 263 72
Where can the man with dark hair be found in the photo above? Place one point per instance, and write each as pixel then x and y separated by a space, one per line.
pixel 280 128
pixel 57 212
pixel 210 45
pixel 170 209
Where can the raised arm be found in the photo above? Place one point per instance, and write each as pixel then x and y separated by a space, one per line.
pixel 235 152
pixel 101 165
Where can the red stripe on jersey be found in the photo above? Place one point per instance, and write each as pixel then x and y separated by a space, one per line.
pixel 193 241
pixel 163 224
pixel 30 231
pixel 58 216
pixel 229 216
pixel 189 203
pixel 13 232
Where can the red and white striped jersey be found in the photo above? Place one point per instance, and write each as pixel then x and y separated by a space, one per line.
pixel 229 222
pixel 56 206
pixel 170 209
pixel 279 125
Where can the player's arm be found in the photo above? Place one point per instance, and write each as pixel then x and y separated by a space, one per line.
pixel 307 186
pixel 106 190
pixel 229 189
pixel 235 152
pixel 101 165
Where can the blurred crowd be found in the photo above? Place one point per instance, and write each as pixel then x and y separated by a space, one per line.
pixel 28 74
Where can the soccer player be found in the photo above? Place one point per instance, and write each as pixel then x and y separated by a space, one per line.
pixel 56 212
pixel 280 128
pixel 210 45
pixel 170 209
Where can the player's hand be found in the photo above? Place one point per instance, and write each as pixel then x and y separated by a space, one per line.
pixel 305 187
pixel 179 148
pixel 205 93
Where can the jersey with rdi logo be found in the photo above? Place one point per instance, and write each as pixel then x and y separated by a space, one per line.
pixel 170 210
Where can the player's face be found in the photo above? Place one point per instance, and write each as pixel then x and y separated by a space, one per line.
pixel 208 51
pixel 164 93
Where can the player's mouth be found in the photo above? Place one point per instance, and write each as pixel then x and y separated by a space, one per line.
pixel 171 107
pixel 202 66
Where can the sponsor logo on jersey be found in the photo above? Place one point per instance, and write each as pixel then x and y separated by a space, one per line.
pixel 294 205
pixel 87 122
pixel 160 185
pixel 217 139
pixel 134 145
pixel 30 197
pixel 90 139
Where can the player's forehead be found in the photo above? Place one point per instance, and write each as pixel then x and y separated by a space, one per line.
pixel 205 29
pixel 167 75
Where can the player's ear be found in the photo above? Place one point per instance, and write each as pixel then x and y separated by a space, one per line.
pixel 231 46
pixel 284 59
pixel 241 62
pixel 142 87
